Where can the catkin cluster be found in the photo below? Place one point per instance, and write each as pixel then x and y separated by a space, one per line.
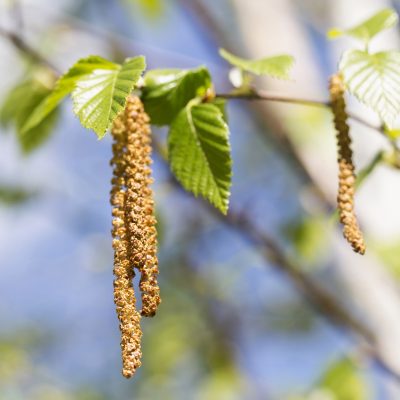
pixel 134 232
pixel 345 199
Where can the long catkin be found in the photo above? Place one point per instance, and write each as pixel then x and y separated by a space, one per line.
pixel 124 296
pixel 140 204
pixel 345 198
pixel 134 228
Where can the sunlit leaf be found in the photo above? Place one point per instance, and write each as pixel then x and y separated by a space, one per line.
pixel 99 96
pixel 375 80
pixel 276 67
pixel 151 8
pixel 64 86
pixel 166 92
pixel 365 31
pixel 344 382
pixel 334 33
pixel 199 153
pixel 392 133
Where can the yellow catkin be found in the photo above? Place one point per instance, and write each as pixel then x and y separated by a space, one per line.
pixel 140 203
pixel 124 296
pixel 345 199
pixel 134 228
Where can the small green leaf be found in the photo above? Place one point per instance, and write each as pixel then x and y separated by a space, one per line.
pixel 166 92
pixel 199 153
pixel 99 96
pixel 277 66
pixel 10 109
pixel 375 80
pixel 65 85
pixel 21 101
pixel 310 238
pixel 334 33
pixel 365 31
pixel 393 133
pixel 13 195
pixel 343 381
pixel 151 8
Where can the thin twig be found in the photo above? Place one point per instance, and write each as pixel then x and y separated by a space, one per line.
pixel 257 94
pixel 26 50
pixel 262 95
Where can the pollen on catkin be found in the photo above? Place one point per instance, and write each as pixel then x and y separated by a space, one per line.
pixel 134 228
pixel 345 198
pixel 140 204
pixel 124 296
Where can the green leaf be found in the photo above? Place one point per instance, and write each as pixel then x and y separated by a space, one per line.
pixel 65 85
pixel 375 80
pixel 344 381
pixel 166 92
pixel 309 237
pixel 277 66
pixel 393 133
pixel 151 8
pixel 21 101
pixel 221 104
pixel 389 253
pixel 365 31
pixel 199 153
pixel 334 33
pixel 10 109
pixel 12 195
pixel 101 95
pixel 33 138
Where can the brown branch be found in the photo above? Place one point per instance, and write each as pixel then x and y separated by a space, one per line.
pixel 257 94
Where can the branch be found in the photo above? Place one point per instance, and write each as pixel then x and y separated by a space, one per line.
pixel 256 94
pixel 262 95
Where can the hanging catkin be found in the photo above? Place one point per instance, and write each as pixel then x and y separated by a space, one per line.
pixel 140 204
pixel 134 232
pixel 124 296
pixel 345 199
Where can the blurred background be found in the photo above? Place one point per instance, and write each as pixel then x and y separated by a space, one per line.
pixel 231 325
